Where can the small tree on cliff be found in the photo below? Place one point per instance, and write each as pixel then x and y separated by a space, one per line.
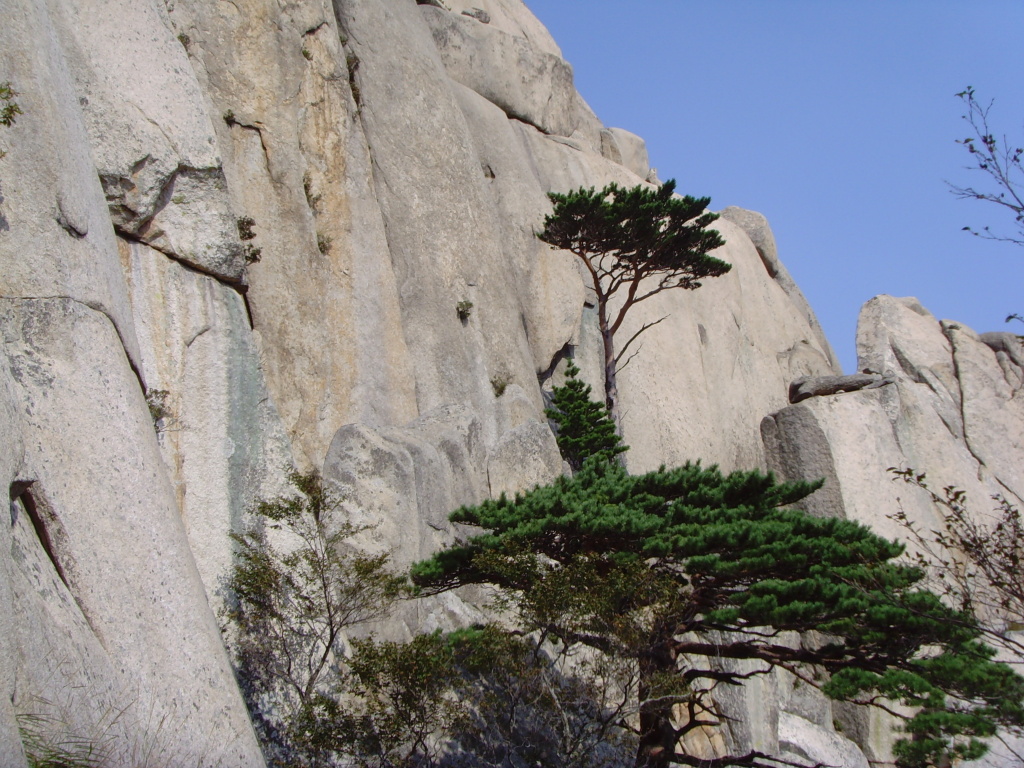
pixel 290 607
pixel 635 243
pixel 684 572
pixel 584 427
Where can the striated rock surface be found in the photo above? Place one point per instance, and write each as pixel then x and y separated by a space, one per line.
pixel 952 407
pixel 110 612
pixel 953 410
pixel 234 238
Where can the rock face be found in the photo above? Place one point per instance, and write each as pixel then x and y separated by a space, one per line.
pixel 950 406
pixel 235 239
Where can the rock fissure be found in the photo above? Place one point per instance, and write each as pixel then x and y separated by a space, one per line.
pixel 235 285
pixel 949 331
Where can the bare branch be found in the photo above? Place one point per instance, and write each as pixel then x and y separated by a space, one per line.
pixel 632 338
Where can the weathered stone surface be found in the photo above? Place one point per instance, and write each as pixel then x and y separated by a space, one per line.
pixel 563 165
pixel 525 82
pixel 452 362
pixel 404 481
pixel 588 127
pixel 221 438
pixel 898 336
pixel 1009 349
pixel 807 458
pixel 479 14
pixel 992 394
pixel 524 457
pixel 151 135
pixel 806 742
pixel 11 458
pixel 628 149
pixel 512 17
pixel 323 297
pixel 750 724
pixel 756 226
pixel 55 230
pixel 821 386
pixel 547 282
pixel 117 543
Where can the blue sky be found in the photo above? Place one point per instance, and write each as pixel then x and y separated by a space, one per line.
pixel 834 118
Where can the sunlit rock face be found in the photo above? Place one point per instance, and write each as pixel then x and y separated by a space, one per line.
pixel 241 238
pixel 948 404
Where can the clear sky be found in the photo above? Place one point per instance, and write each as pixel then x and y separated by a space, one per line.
pixel 834 118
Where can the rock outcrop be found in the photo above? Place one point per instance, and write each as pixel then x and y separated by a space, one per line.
pixel 234 240
pixel 939 399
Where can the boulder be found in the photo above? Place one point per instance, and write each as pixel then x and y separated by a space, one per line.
pixel 627 149
pixel 820 386
pixel 523 458
pixel 802 741
pixel 404 481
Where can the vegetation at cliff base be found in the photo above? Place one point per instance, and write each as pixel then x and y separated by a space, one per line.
pixel 295 588
pixel 629 604
pixel 700 579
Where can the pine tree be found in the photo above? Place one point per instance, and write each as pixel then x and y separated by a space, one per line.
pixel 634 243
pixel 678 570
pixel 585 428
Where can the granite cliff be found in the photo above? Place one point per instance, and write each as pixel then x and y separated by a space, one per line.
pixel 233 238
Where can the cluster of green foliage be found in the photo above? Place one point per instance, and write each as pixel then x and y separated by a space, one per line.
pixel 9 108
pixel 293 598
pixel 678 570
pixel 634 243
pixel 584 428
pixel 479 697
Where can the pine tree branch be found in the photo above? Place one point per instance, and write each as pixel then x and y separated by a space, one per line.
pixel 632 338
